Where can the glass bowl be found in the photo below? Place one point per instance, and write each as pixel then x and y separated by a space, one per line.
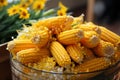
pixel 22 72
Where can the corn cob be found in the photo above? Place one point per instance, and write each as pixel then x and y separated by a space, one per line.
pixel 89 27
pixel 28 56
pixel 118 45
pixel 75 53
pixel 18 45
pixel 116 55
pixel 40 38
pixel 93 65
pixel 78 20
pixel 91 39
pixel 104 49
pixel 44 51
pixel 109 36
pixel 88 54
pixel 31 55
pixel 39 35
pixel 60 54
pixel 56 24
pixel 70 36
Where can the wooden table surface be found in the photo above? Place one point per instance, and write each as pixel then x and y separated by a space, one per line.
pixel 5 71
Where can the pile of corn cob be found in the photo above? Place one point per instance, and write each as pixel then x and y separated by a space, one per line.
pixel 67 42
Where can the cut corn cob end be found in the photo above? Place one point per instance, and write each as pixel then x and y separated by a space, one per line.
pixel 11 49
pixel 104 49
pixel 17 45
pixel 91 39
pixel 94 27
pixel 10 45
pixel 41 38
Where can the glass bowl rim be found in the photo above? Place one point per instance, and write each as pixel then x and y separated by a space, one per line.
pixel 61 73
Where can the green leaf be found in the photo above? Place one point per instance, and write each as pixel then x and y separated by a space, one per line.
pixel 10 19
pixel 2 27
pixel 38 14
pixel 49 12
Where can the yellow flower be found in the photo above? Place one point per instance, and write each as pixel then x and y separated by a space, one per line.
pixel 26 2
pixel 62 6
pixel 38 5
pixel 44 1
pixel 29 1
pixel 13 10
pixel 24 5
pixel 24 13
pixel 61 12
pixel 3 3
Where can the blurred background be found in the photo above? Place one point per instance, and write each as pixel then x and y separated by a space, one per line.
pixel 102 12
pixel 107 13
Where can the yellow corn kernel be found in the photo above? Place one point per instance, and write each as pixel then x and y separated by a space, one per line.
pixel 47 63
pixel 109 36
pixel 93 65
pixel 89 27
pixel 60 54
pixel 91 39
pixel 88 54
pixel 18 45
pixel 70 36
pixel 116 55
pixel 29 32
pixel 75 53
pixel 56 24
pixel 40 38
pixel 118 46
pixel 31 55
pixel 78 20
pixel 104 49
pixel 44 51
